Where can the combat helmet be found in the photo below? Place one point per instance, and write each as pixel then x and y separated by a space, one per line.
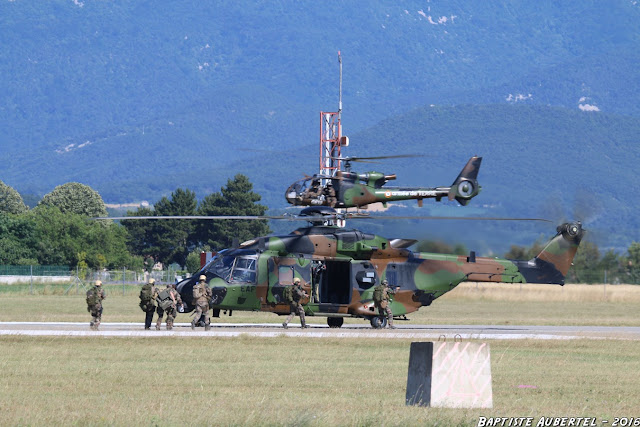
pixel 98 283
pixel 202 277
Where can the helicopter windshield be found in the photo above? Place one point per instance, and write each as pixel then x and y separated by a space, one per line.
pixel 236 267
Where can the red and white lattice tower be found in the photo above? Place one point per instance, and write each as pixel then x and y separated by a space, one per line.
pixel 331 139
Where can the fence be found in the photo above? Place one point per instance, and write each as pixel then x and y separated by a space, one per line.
pixel 20 277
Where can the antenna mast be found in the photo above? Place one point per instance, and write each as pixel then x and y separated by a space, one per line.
pixel 331 139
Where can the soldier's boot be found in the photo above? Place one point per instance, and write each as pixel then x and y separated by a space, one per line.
pixel 303 321
pixel 91 325
pixel 158 324
pixel 96 324
pixel 207 326
pixel 193 324
pixel 390 322
pixel 169 324
pixel 288 319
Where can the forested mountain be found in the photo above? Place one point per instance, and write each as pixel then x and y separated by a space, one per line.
pixel 137 99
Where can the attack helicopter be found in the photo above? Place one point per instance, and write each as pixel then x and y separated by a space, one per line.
pixel 347 189
pixel 340 268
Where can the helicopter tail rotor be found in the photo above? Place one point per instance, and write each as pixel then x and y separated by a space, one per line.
pixel 556 257
pixel 466 186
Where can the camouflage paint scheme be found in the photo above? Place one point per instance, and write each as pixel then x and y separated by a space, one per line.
pixel 253 276
pixel 359 190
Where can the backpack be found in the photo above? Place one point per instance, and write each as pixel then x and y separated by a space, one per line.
pixel 146 298
pixel 164 299
pixel 198 291
pixel 287 293
pixel 92 297
pixel 146 294
pixel 378 292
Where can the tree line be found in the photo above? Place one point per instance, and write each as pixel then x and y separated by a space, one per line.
pixel 590 265
pixel 62 230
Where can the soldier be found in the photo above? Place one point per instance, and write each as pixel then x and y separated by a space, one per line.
pixel 148 295
pixel 293 297
pixel 381 296
pixel 201 296
pixel 168 301
pixel 315 191
pixel 317 270
pixel 330 194
pixel 95 296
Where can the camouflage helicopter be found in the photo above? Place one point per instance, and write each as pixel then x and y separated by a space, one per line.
pixel 346 189
pixel 340 268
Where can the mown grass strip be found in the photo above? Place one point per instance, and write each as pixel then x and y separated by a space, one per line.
pixel 293 381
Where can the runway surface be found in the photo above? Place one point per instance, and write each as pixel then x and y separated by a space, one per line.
pixel 417 332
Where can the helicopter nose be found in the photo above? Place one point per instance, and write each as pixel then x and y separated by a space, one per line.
pixel 291 197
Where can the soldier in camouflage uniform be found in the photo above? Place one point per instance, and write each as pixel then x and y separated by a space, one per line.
pixel 168 301
pixel 382 301
pixel 201 296
pixel 297 295
pixel 330 194
pixel 148 295
pixel 96 307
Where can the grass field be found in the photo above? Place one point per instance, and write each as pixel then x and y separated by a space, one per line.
pixel 496 304
pixel 304 381
pixel 293 381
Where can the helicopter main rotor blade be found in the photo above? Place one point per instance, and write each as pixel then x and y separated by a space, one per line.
pixel 207 217
pixel 459 218
pixel 364 159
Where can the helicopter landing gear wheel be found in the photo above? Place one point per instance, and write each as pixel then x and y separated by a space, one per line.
pixel 378 322
pixel 335 322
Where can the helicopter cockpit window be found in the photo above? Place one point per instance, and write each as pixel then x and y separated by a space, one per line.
pixel 244 270
pixel 237 267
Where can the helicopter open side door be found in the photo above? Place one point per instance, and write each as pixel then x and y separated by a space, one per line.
pixel 334 282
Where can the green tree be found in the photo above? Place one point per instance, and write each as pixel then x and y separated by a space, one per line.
pixel 237 198
pixel 76 198
pixel 175 238
pixel 71 239
pixel 10 200
pixel 633 262
pixel 193 261
pixel 18 240
pixel 586 265
pixel 166 241
pixel 611 263
pixel 140 236
pixel 521 253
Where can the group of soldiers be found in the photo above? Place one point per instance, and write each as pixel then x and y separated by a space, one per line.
pixel 165 301
pixel 316 190
pixel 168 301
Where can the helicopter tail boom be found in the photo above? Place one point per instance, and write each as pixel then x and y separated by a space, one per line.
pixel 466 187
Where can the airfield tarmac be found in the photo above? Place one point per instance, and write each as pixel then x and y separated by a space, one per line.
pixel 266 330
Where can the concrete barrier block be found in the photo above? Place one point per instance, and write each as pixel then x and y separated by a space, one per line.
pixel 450 375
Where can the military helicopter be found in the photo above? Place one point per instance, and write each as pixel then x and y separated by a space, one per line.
pixel 348 189
pixel 340 268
